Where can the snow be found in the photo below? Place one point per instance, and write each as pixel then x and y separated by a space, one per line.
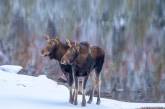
pixel 26 92
pixel 10 68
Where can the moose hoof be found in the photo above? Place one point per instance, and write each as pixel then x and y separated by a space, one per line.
pixel 83 104
pixel 75 103
pixel 89 101
pixel 98 102
pixel 71 101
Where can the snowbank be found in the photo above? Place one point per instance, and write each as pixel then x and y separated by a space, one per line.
pixel 26 92
pixel 10 68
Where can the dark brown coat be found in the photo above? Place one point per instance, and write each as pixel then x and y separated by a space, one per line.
pixel 84 59
pixel 55 49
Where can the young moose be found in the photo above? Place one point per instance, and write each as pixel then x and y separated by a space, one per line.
pixel 55 50
pixel 84 59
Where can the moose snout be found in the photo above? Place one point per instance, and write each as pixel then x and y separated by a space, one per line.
pixel 44 53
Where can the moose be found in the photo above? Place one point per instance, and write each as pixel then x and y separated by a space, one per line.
pixel 83 60
pixel 55 49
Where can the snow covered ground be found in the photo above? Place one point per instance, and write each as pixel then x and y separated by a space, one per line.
pixel 26 92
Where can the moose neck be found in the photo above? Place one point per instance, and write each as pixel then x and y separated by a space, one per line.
pixel 60 51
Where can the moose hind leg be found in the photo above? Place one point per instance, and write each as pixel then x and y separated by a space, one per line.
pixel 98 82
pixel 93 88
pixel 98 68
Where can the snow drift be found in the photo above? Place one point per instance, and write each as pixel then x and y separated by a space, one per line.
pixel 26 92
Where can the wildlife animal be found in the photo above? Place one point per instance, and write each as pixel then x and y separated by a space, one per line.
pixel 55 49
pixel 83 60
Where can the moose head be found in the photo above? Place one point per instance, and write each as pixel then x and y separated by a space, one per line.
pixel 51 44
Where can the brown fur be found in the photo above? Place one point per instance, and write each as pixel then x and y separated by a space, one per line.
pixel 84 59
pixel 55 50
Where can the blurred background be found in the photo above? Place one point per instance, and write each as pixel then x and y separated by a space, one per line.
pixel 132 33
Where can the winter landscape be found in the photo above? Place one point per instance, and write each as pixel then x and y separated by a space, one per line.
pixel 27 92
pixel 110 49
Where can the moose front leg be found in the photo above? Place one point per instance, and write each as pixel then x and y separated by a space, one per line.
pixel 76 91
pixel 84 81
pixel 70 95
pixel 71 87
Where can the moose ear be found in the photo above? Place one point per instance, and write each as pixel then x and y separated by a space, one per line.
pixel 68 42
pixel 47 37
pixel 56 40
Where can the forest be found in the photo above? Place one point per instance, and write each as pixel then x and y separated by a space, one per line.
pixel 131 32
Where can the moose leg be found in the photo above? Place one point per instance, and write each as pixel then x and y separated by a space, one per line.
pixel 70 95
pixel 76 91
pixel 71 89
pixel 93 88
pixel 98 82
pixel 84 81
pixel 73 95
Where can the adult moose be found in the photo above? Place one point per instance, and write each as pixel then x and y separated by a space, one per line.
pixel 84 59
pixel 55 49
